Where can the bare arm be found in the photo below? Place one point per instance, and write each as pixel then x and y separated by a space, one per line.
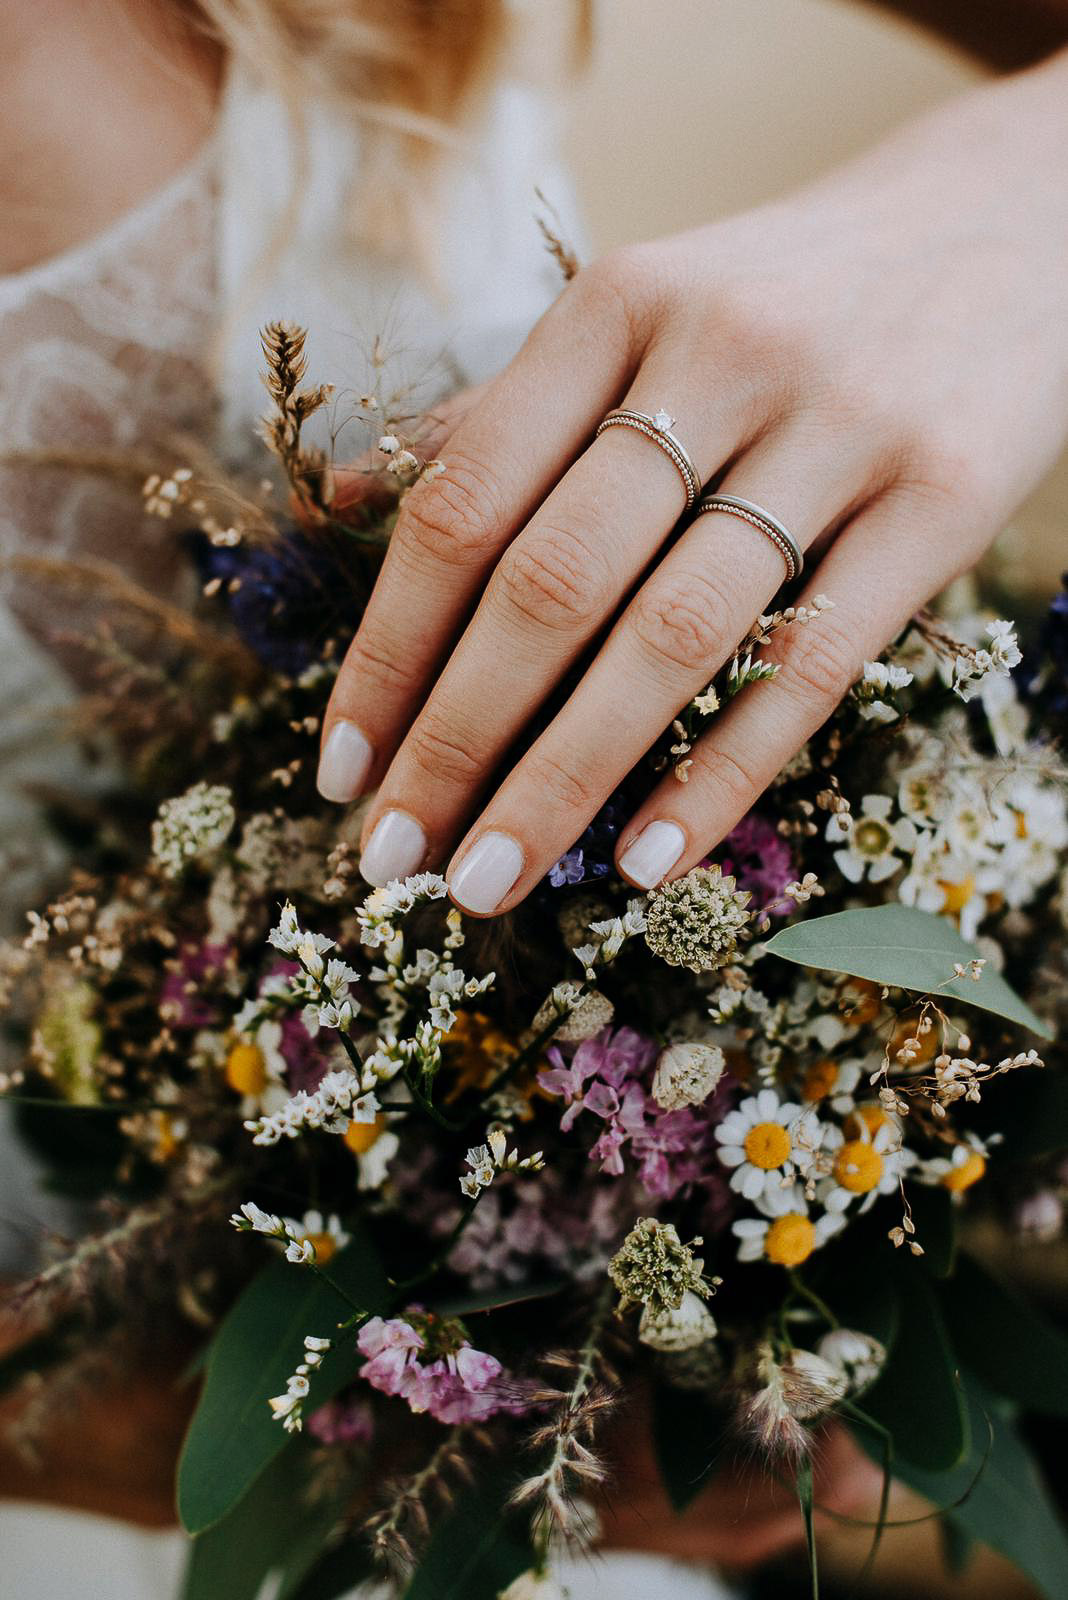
pixel 1006 34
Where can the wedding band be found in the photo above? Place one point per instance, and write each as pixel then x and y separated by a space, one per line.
pixel 658 428
pixel 757 517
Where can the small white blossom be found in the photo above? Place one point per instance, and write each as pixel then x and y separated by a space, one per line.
pixel 192 825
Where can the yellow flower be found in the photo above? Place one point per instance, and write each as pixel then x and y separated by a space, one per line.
pixel 790 1240
pixel 246 1069
pixel 767 1145
pixel 858 1166
pixel 964 1173
pixel 360 1136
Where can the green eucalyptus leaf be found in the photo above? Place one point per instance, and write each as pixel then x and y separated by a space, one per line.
pixel 902 948
pixel 1004 1502
pixel 336 1573
pixel 274 1528
pixel 1009 1345
pixel 233 1436
pixel 917 1396
pixel 468 1305
pixel 477 1549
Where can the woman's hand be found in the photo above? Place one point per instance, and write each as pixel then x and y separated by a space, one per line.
pixel 881 362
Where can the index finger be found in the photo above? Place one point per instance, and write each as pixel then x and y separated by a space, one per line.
pixel 502 461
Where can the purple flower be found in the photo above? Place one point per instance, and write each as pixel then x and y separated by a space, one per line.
pixel 455 1386
pixel 342 1422
pixel 181 1002
pixel 568 869
pixel 757 855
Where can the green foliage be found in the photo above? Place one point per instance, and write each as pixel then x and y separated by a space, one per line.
pixel 1009 1346
pixel 1003 1501
pixel 475 1551
pixel 902 948
pixel 274 1528
pixel 918 1397
pixel 233 1436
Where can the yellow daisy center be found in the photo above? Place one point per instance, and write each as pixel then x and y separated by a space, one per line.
pixel 767 1145
pixel 360 1136
pixel 324 1245
pixel 790 1240
pixel 246 1069
pixel 1021 825
pixel 968 1172
pixel 820 1079
pixel 858 1166
pixel 956 895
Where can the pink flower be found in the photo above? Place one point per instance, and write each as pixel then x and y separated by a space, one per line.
pixel 342 1422
pixel 456 1386
pixel 390 1347
pixel 475 1368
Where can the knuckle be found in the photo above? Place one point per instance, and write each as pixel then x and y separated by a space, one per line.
pixel 456 517
pixel 627 283
pixel 373 668
pixel 820 661
pixel 553 579
pixel 680 621
pixel 442 753
pixel 567 788
pixel 940 469
pixel 727 777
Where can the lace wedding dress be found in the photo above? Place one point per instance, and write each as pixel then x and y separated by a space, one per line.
pixel 149 330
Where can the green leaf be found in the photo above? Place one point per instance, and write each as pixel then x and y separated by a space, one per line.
pixel 477 1550
pixel 336 1573
pixel 688 1436
pixel 272 1529
pixel 1007 1504
pixel 233 1436
pixel 902 948
pixel 804 1498
pixel 917 1396
pixel 1010 1347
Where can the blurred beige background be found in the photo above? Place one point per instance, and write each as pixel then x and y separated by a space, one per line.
pixel 693 109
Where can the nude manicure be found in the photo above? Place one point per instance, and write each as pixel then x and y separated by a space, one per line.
pixel 395 849
pixel 344 763
pixel 651 856
pixel 487 872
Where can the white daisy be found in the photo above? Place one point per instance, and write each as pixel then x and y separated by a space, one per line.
pixel 786 1235
pixel 831 1083
pixel 323 1236
pixel 864 1164
pixel 957 1172
pixel 767 1141
pixel 870 842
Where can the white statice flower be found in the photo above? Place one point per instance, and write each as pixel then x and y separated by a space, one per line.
pixel 971 668
pixel 871 845
pixel 252 1219
pixel 192 826
pixel 486 1160
pixel 857 1355
pixel 382 908
pixel 785 1233
pixel 767 1141
pixel 923 789
pixel 675 1328
pixel 290 938
pixel 340 1100
pixel 686 1074
pixel 866 1164
pixel 880 679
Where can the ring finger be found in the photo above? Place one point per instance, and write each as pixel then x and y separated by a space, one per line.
pixel 678 630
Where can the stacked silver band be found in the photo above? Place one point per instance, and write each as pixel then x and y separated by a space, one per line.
pixel 757 517
pixel 658 429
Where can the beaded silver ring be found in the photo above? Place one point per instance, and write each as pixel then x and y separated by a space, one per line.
pixel 658 428
pixel 757 517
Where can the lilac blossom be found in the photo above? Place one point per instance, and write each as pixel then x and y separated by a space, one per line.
pixel 342 1422
pixel 759 858
pixel 458 1385
pixel 181 997
pixel 606 1076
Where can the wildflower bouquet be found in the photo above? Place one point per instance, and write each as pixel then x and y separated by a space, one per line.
pixel 719 1144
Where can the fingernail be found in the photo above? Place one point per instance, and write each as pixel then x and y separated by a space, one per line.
pixel 344 764
pixel 487 872
pixel 653 853
pixel 395 849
